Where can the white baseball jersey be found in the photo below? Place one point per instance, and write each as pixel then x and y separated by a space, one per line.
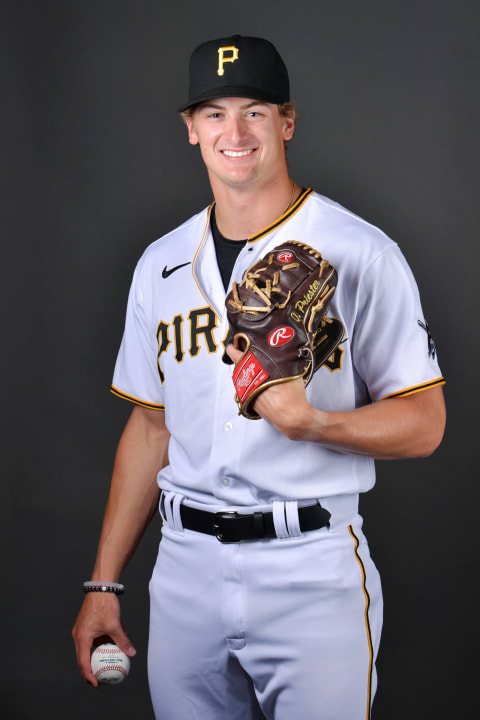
pixel 171 356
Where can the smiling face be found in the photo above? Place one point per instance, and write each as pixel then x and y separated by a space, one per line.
pixel 241 141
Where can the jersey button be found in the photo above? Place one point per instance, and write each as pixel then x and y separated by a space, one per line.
pixel 225 482
pixel 228 426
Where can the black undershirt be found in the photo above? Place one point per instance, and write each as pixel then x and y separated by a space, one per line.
pixel 227 250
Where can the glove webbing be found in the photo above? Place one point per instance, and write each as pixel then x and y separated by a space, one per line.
pixel 271 286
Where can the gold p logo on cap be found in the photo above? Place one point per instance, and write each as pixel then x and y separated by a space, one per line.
pixel 222 58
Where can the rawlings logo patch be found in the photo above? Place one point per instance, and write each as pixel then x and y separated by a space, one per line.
pixel 248 375
pixel 280 336
pixel 285 256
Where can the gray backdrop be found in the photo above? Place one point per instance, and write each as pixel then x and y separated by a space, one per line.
pixel 95 166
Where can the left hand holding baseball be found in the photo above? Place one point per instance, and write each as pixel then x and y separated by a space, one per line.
pixel 99 617
pixel 110 665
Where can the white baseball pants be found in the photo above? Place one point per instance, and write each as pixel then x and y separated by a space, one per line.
pixel 288 627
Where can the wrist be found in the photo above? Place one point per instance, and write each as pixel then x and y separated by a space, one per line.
pixel 312 424
pixel 301 422
pixel 96 586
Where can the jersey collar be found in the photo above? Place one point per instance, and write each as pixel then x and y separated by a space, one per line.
pixel 283 218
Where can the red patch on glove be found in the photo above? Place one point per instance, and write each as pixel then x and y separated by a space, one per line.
pixel 248 375
pixel 285 256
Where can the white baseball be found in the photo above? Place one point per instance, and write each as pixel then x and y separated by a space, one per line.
pixel 110 665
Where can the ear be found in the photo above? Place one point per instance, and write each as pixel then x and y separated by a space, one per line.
pixel 192 135
pixel 288 128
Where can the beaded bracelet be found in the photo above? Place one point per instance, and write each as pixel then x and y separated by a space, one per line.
pixel 97 586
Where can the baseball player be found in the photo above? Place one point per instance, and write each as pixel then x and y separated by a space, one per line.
pixel 264 598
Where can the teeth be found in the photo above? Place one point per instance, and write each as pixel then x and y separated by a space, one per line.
pixel 234 153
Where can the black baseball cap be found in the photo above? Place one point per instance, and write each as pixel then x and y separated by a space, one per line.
pixel 237 66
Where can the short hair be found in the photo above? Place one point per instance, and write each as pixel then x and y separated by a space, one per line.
pixel 286 110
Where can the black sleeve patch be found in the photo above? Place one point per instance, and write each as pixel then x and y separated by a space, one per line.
pixel 432 350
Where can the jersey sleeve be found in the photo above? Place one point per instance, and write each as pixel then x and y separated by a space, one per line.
pixel 136 376
pixel 393 350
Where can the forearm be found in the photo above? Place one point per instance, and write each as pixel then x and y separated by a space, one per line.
pixel 387 430
pixel 142 452
pixel 134 493
pixel 405 427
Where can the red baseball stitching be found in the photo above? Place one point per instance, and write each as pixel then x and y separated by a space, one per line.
pixel 111 667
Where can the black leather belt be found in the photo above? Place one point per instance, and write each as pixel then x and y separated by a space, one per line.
pixel 233 527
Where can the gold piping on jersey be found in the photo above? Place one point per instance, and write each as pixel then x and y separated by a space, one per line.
pixel 367 622
pixel 137 401
pixel 416 388
pixel 283 218
pixel 209 210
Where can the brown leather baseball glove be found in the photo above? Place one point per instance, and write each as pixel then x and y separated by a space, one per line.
pixel 277 316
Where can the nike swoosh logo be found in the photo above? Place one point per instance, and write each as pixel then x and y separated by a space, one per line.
pixel 166 273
